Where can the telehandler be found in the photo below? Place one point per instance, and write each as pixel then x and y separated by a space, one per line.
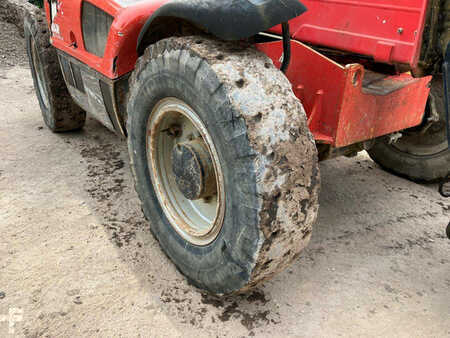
pixel 228 106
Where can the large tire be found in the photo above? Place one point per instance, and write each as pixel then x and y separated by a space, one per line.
pixel 59 111
pixel 423 157
pixel 267 156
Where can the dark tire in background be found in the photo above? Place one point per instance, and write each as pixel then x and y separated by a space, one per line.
pixel 233 101
pixel 419 155
pixel 59 111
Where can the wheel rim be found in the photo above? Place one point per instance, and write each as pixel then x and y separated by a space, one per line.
pixel 39 74
pixel 173 123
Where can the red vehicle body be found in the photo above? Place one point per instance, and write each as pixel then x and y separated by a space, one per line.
pixel 345 103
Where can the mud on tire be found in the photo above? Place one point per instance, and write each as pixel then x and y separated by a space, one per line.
pixel 266 151
pixel 59 111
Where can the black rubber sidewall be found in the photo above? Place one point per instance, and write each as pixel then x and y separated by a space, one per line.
pixel 62 113
pixel 46 112
pixel 427 168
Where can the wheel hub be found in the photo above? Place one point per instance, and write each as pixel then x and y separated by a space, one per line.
pixel 185 171
pixel 193 169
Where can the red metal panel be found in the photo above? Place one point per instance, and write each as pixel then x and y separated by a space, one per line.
pixel 388 30
pixel 340 111
pixel 122 40
pixel 364 116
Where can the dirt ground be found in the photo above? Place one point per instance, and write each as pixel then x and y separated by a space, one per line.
pixel 77 257
pixel 12 46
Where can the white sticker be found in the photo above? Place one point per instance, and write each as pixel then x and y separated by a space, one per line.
pixel 54 10
pixel 55 28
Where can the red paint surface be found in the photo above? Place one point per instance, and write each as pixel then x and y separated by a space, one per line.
pixel 365 27
pixel 388 30
pixel 339 111
pixel 122 39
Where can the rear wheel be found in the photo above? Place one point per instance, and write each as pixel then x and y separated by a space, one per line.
pixel 422 153
pixel 223 161
pixel 59 111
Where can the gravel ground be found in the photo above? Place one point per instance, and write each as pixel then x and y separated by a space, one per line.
pixel 77 257
pixel 12 46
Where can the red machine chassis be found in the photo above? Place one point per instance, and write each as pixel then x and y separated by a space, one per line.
pixel 344 103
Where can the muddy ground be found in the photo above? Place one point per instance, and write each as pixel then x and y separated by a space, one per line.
pixel 77 257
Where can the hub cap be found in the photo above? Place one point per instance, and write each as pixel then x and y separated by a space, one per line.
pixel 194 170
pixel 185 171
